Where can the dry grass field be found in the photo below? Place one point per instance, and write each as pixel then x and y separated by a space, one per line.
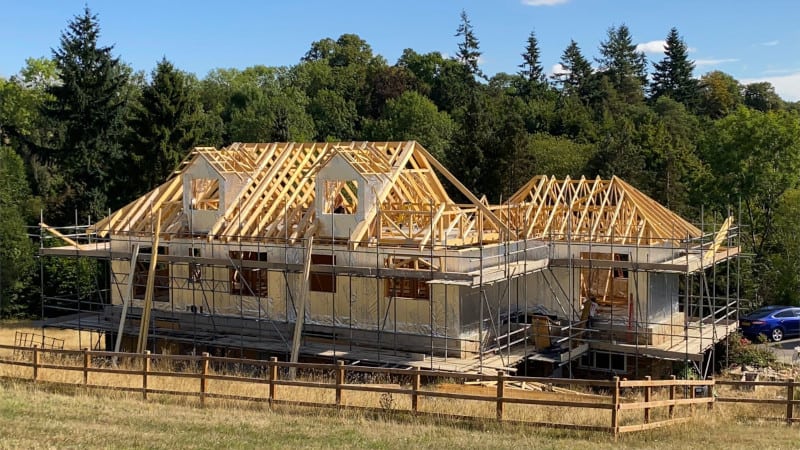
pixel 58 416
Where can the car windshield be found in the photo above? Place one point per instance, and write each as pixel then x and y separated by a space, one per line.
pixel 763 312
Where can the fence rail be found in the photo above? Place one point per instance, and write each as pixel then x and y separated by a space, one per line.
pixel 633 405
pixel 792 389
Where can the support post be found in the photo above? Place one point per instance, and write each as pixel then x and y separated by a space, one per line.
pixel 648 391
pixel 339 382
pixel 126 300
pixel 144 326
pixel 710 393
pixel 789 404
pixel 615 410
pixel 501 383
pixel 87 363
pixel 415 382
pixel 273 377
pixel 672 396
pixel 203 379
pixel 301 310
pixel 35 363
pixel 145 369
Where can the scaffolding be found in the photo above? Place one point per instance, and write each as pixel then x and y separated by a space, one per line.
pixel 416 280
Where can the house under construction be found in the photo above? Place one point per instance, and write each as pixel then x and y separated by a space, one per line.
pixel 355 251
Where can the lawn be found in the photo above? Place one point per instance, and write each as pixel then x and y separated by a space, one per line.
pixel 40 417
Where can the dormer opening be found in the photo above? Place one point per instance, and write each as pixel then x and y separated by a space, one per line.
pixel 341 197
pixel 205 194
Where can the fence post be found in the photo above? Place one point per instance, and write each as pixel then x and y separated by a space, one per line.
pixel 145 369
pixel 339 382
pixel 648 391
pixel 710 393
pixel 501 383
pixel 203 379
pixel 672 396
pixel 87 362
pixel 415 382
pixel 35 363
pixel 615 411
pixel 273 377
pixel 692 395
pixel 789 399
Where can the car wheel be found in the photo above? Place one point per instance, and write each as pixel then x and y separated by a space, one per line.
pixel 777 335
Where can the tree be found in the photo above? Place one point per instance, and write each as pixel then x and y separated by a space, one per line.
pixel 532 71
pixel 619 60
pixel 16 251
pixel 166 125
pixel 21 99
pixel 575 71
pixel 475 133
pixel 673 158
pixel 782 284
pixel 469 52
pixel 88 109
pixel 387 83
pixel 720 94
pixel 762 96
pixel 673 74
pixel 754 158
pixel 412 116
pixel 557 156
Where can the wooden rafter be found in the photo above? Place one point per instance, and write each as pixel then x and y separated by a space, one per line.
pixel 275 196
pixel 595 211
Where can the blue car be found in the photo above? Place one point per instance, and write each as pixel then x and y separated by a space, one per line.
pixel 774 322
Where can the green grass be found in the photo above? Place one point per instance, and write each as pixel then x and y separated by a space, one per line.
pixel 38 417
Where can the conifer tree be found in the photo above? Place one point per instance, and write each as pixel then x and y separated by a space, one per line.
pixel 166 124
pixel 625 67
pixel 673 74
pixel 87 107
pixel 469 48
pixel 532 71
pixel 576 70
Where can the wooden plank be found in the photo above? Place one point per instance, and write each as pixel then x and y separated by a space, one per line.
pixel 651 425
pixel 58 234
pixel 144 325
pixel 469 195
pixel 126 299
pixel 301 310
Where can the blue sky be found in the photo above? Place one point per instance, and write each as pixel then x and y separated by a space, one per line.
pixel 751 40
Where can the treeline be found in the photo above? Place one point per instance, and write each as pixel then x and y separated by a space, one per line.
pixel 82 133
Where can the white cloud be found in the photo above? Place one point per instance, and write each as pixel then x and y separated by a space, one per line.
pixel 558 69
pixel 713 62
pixel 544 2
pixel 787 86
pixel 770 43
pixel 651 47
pixel 781 71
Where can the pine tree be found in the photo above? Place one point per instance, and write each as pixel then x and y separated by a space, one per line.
pixel 576 71
pixel 673 74
pixel 166 124
pixel 87 107
pixel 469 48
pixel 532 71
pixel 625 67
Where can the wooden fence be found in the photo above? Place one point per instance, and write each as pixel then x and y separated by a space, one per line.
pixel 790 400
pixel 632 405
